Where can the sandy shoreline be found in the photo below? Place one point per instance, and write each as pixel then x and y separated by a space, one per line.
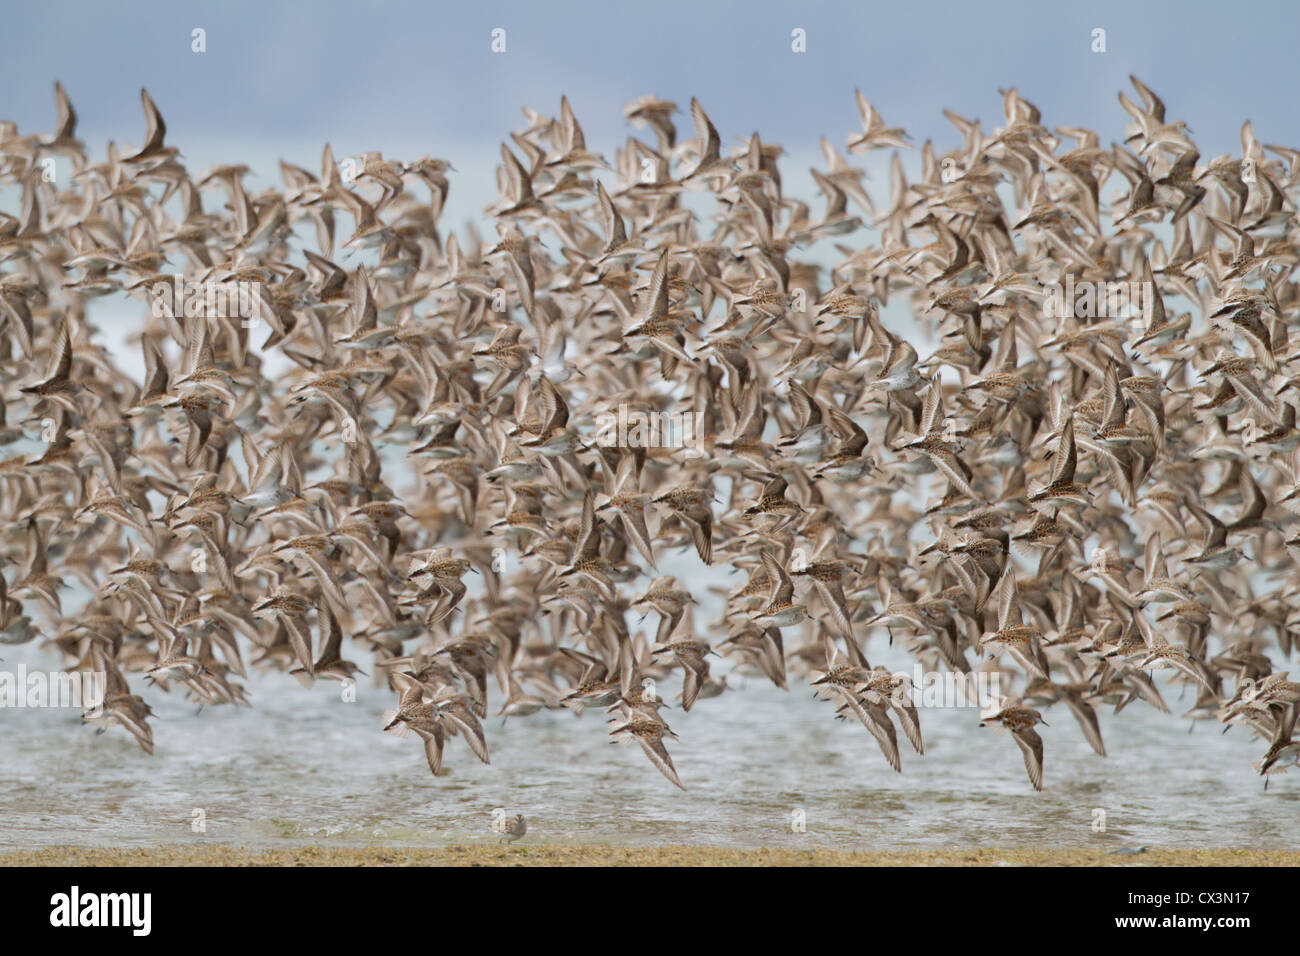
pixel 522 855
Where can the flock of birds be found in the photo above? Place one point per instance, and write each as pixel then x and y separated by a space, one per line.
pixel 392 450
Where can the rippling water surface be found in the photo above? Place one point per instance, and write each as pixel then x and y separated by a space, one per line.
pixel 304 767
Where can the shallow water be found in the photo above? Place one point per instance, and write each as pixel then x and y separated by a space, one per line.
pixel 305 767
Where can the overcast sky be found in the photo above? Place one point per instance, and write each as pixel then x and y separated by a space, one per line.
pixel 410 78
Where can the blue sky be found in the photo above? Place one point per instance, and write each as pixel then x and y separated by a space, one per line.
pixel 409 78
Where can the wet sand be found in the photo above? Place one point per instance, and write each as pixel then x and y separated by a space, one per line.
pixel 523 855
